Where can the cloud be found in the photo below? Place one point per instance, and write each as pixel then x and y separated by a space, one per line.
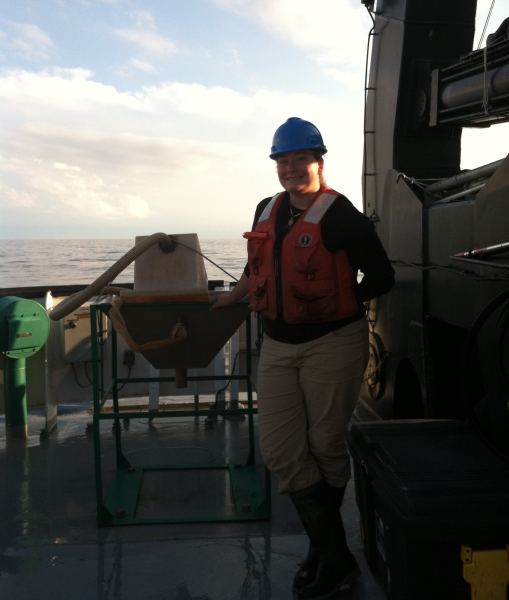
pixel 151 42
pixel 64 167
pixel 69 192
pixel 145 35
pixel 61 89
pixel 235 55
pixel 138 207
pixel 332 32
pixel 143 18
pixel 143 65
pixel 350 79
pixel 148 40
pixel 185 157
pixel 27 40
pixel 210 102
pixel 17 198
pixel 177 156
pixel 232 109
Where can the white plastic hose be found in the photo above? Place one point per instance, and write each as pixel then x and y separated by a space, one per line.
pixel 100 285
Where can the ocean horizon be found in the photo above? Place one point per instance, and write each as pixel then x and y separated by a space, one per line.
pixel 38 262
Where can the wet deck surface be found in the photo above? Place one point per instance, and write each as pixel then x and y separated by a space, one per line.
pixel 51 547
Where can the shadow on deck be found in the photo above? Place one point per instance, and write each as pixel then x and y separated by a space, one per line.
pixel 51 547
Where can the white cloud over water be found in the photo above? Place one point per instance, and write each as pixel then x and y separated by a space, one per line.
pixel 176 156
pixel 187 151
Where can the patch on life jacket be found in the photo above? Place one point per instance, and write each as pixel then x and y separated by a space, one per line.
pixel 305 240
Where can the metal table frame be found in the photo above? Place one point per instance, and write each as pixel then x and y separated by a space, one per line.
pixel 251 500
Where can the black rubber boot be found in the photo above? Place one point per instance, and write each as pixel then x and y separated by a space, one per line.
pixel 337 495
pixel 329 564
pixel 307 569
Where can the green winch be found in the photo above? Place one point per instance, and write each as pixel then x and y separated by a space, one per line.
pixel 24 329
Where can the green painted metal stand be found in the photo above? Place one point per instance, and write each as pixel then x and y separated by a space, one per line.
pixel 15 392
pixel 252 501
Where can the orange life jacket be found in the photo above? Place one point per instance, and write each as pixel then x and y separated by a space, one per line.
pixel 316 284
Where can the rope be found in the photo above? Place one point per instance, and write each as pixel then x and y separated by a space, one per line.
pixel 486 25
pixel 101 283
pixel 178 332
pixel 378 367
pixel 462 272
pixel 205 257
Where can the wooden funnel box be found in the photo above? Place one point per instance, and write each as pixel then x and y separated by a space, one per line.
pixel 178 270
pixel 207 331
pixel 171 287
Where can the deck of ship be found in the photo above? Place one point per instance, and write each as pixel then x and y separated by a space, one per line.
pixel 51 547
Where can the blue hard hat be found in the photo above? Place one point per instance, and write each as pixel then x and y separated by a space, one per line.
pixel 296 134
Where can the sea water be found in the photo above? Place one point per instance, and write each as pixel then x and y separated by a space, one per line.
pixel 28 263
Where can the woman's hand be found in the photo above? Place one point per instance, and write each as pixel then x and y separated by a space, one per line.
pixel 236 295
pixel 221 301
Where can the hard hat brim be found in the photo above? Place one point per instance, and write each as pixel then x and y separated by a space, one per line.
pixel 296 148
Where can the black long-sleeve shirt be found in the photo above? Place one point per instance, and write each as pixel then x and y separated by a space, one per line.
pixel 343 228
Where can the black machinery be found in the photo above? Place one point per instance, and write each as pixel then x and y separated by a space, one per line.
pixel 433 498
pixel 445 231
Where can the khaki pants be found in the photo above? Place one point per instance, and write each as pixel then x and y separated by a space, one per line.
pixel 306 396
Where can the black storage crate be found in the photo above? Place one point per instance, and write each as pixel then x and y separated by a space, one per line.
pixel 423 489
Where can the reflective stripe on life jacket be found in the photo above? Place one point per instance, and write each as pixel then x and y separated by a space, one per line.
pixel 316 284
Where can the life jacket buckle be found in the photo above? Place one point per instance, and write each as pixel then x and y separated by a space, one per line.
pixel 255 235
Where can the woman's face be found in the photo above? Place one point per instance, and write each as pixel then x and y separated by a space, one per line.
pixel 299 171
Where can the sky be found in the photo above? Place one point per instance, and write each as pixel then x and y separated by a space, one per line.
pixel 127 117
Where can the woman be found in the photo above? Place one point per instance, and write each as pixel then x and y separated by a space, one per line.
pixel 304 253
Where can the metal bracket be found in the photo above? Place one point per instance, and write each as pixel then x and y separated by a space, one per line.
pixel 373 217
pixel 487 571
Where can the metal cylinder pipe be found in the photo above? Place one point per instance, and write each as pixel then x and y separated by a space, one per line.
pixel 464 177
pixel 471 89
pixel 15 398
pixel 473 190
